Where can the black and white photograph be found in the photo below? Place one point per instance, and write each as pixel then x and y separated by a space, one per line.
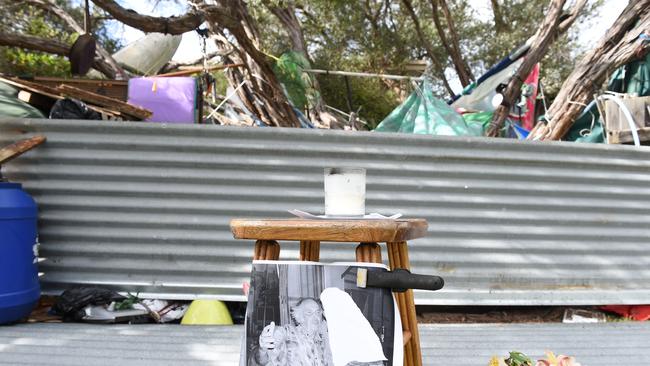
pixel 306 313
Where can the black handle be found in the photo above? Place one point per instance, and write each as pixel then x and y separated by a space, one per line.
pixel 401 279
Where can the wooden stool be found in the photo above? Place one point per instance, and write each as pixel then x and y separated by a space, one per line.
pixel 310 233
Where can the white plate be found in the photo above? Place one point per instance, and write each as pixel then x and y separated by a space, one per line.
pixel 370 216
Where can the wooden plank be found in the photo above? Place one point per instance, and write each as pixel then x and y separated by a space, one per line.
pixel 195 70
pixel 34 88
pixel 54 95
pixel 103 101
pixel 330 230
pixel 637 106
pixel 625 136
pixel 16 149
pixel 117 89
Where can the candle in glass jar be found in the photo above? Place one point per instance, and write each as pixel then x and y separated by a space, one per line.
pixel 345 191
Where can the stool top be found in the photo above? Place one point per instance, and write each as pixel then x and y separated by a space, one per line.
pixel 329 230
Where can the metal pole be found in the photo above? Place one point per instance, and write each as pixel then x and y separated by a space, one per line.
pixel 348 91
pixel 87 18
pixel 362 74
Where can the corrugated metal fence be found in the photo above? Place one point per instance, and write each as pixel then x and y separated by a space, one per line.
pixel 69 344
pixel 145 207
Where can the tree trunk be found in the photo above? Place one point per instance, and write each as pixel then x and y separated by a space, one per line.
pixel 545 36
pixel 438 67
pixel 451 45
pixel 275 109
pixel 49 46
pixel 617 47
pixel 261 91
pixel 286 14
pixel 499 24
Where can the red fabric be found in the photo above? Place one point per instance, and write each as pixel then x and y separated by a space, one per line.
pixel 527 120
pixel 636 312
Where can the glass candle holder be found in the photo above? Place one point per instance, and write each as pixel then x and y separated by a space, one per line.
pixel 345 191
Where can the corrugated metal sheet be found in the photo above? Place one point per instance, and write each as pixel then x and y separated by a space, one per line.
pixel 83 344
pixel 145 207
pixel 442 344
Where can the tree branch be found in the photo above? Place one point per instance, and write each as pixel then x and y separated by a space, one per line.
pixel 451 46
pixel 499 24
pixel 313 19
pixel 547 32
pixel 261 91
pixel 47 45
pixel 618 46
pixel 51 5
pixel 175 65
pixel 568 20
pixel 148 24
pixel 34 43
pixel 287 16
pixel 440 69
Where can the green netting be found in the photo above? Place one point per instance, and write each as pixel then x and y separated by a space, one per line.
pixel 422 113
pixel 298 85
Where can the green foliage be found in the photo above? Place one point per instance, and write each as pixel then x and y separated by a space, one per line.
pixel 221 82
pixel 127 303
pixel 23 63
pixel 30 20
pixel 518 359
pixel 369 97
pixel 379 36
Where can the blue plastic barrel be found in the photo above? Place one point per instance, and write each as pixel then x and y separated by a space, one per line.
pixel 19 288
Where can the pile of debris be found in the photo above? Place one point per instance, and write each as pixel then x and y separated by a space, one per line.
pixel 67 101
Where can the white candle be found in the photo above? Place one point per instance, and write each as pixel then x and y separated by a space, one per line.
pixel 345 191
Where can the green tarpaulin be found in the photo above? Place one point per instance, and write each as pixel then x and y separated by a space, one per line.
pixel 11 106
pixel 632 78
pixel 422 113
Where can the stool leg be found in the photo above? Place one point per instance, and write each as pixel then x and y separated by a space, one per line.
pixel 310 250
pixel 399 258
pixel 266 250
pixel 368 252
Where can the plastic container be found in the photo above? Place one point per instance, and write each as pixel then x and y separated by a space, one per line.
pixel 207 312
pixel 19 288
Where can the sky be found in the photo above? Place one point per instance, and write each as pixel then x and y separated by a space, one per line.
pixel 190 47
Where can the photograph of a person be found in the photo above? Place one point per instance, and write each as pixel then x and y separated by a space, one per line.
pixel 302 313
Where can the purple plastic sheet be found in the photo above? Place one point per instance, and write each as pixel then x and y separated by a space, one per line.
pixel 171 99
